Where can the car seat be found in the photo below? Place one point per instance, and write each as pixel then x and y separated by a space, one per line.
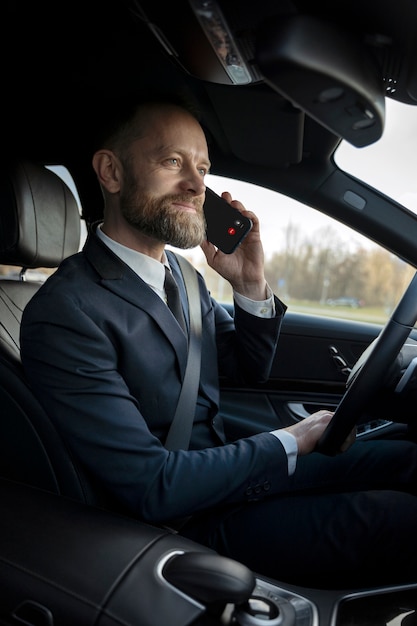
pixel 39 227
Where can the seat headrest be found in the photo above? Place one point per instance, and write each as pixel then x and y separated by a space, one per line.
pixel 39 217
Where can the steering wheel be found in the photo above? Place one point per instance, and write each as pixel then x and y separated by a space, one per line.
pixel 368 372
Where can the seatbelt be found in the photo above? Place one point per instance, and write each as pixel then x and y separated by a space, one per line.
pixel 179 433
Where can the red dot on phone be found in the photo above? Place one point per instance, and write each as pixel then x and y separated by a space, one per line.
pixel 231 231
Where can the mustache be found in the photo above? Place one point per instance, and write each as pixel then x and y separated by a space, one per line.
pixel 196 202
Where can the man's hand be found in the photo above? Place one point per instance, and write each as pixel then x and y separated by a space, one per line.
pixel 244 268
pixel 309 430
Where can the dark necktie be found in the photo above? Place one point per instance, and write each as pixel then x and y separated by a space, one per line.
pixel 173 298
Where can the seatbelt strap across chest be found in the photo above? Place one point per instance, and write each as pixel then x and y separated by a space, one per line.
pixel 179 434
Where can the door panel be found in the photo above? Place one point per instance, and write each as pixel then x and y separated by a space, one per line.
pixel 316 353
pixel 310 370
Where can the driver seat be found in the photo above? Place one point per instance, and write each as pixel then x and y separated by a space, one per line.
pixel 39 227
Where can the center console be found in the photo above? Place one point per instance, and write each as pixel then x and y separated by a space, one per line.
pixel 64 563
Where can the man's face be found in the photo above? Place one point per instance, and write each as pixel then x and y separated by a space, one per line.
pixel 163 188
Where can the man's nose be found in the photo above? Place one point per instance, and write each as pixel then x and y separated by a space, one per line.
pixel 193 182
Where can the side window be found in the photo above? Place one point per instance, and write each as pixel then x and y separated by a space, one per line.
pixel 312 262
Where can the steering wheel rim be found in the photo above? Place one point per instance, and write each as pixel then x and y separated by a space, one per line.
pixel 368 372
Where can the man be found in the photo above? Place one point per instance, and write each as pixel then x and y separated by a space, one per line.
pixel 106 358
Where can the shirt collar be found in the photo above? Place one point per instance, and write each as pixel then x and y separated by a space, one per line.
pixel 148 269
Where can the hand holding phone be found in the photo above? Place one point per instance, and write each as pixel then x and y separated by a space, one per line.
pixel 226 227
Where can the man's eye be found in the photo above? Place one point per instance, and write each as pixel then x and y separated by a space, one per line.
pixel 202 170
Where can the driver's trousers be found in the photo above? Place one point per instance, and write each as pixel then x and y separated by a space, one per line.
pixel 343 521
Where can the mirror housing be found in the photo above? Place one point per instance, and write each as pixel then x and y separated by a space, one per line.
pixel 326 73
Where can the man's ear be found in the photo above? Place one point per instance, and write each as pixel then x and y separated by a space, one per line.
pixel 108 169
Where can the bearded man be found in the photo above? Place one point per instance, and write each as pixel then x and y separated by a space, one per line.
pixel 106 358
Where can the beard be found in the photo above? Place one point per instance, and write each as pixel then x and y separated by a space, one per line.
pixel 157 218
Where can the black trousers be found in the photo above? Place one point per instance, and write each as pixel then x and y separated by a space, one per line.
pixel 340 522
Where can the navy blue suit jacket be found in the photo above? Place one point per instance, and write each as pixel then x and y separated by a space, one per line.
pixel 106 359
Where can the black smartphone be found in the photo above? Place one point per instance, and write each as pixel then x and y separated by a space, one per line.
pixel 226 227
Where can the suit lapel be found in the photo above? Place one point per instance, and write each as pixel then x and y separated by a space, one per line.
pixel 117 277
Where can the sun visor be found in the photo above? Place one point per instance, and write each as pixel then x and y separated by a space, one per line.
pixel 325 72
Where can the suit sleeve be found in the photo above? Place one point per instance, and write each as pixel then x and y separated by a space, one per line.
pixel 246 354
pixel 73 369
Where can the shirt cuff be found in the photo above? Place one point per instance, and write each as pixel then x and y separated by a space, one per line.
pixel 259 308
pixel 289 444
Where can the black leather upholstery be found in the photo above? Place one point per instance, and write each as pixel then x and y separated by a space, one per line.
pixel 14 295
pixel 39 226
pixel 39 217
pixel 65 563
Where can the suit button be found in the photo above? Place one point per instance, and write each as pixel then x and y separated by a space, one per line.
pixel 267 485
pixel 249 491
pixel 258 489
